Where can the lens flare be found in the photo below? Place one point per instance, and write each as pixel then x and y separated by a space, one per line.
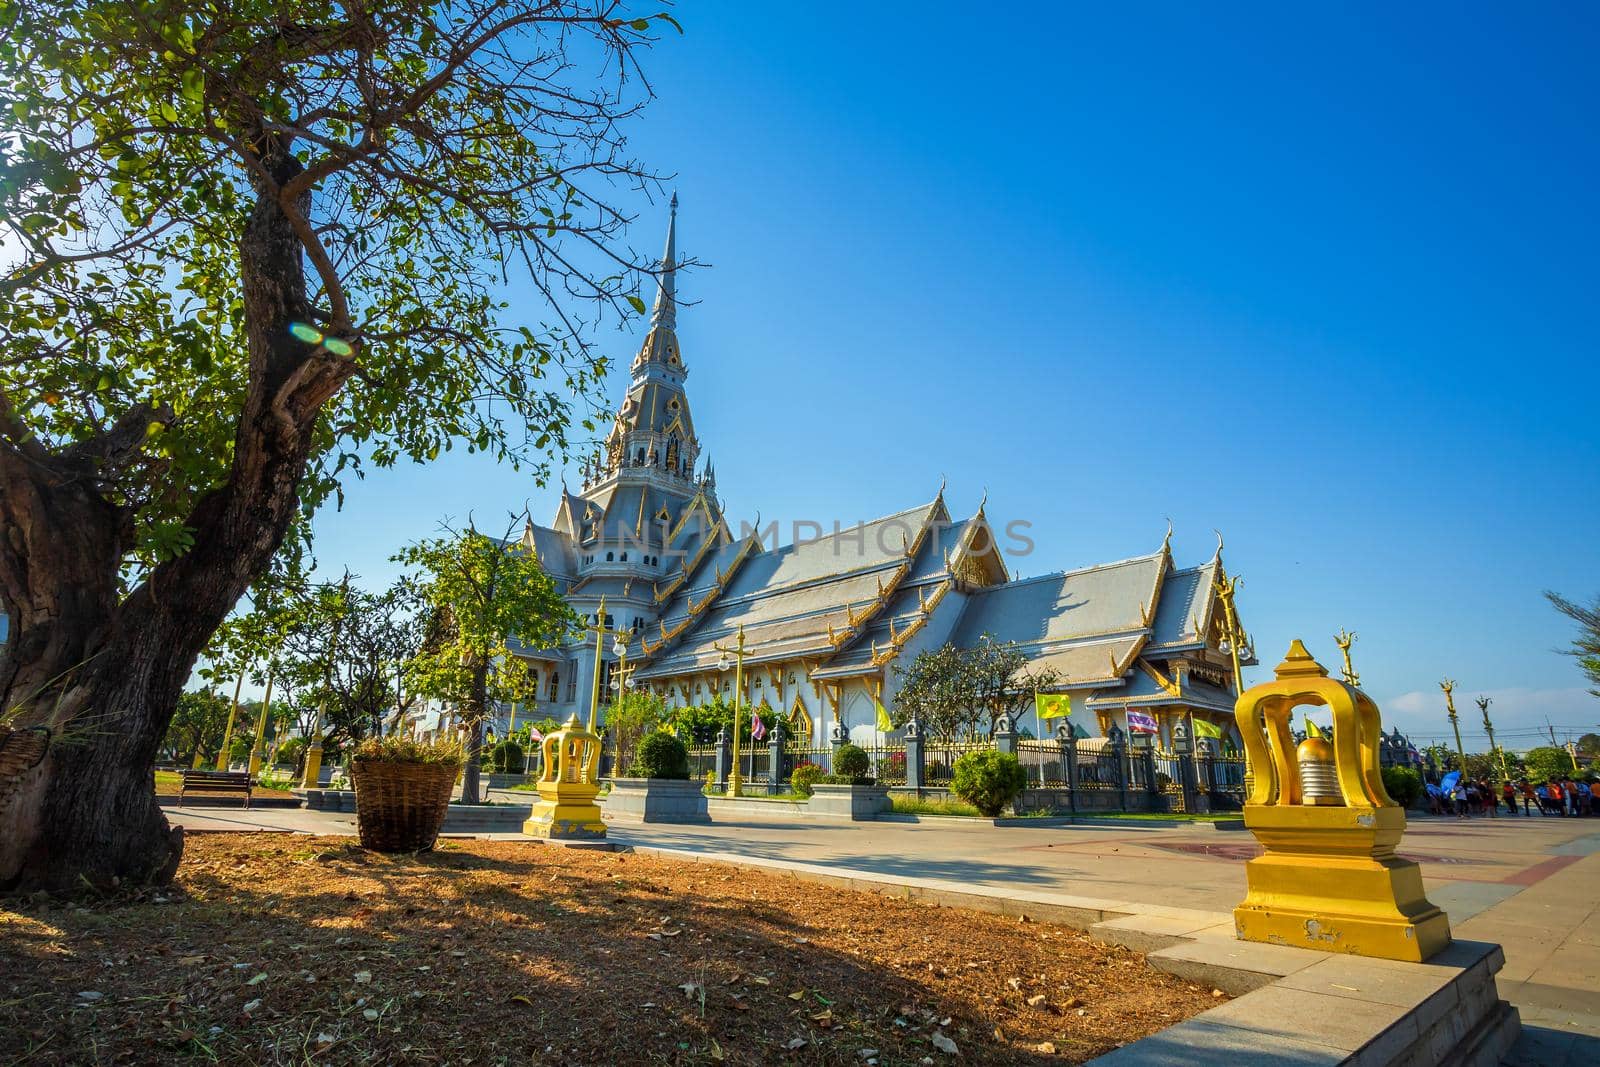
pixel 338 346
pixel 309 334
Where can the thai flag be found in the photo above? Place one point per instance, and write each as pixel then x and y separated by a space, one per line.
pixel 534 736
pixel 758 729
pixel 1140 723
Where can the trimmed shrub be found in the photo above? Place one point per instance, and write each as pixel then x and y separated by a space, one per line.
pixel 508 758
pixel 660 755
pixel 852 762
pixel 988 780
pixel 805 776
pixel 1403 785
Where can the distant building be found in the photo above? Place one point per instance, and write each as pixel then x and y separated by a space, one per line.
pixel 827 619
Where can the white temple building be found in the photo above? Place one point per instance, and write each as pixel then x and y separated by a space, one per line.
pixel 825 621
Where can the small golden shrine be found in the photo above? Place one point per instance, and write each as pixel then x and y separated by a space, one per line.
pixel 1329 878
pixel 569 786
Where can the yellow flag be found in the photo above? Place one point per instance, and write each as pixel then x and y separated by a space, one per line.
pixel 1207 729
pixel 1052 705
pixel 1312 729
pixel 885 724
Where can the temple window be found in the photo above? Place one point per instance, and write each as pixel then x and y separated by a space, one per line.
pixel 611 557
pixel 624 557
pixel 555 686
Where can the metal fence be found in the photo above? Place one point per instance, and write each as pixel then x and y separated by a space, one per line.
pixel 939 759
pixel 888 763
pixel 1097 766
pixel 702 761
pixel 1042 762
pixel 1218 780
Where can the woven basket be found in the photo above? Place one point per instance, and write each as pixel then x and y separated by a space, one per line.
pixel 20 752
pixel 401 806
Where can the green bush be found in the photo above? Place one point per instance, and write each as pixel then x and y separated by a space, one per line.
pixel 852 761
pixel 660 755
pixel 805 776
pixel 508 758
pixel 988 780
pixel 1403 785
pixel 289 751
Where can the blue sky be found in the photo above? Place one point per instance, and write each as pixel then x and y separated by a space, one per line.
pixel 1323 279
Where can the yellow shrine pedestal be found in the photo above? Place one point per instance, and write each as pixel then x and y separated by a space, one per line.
pixel 1329 878
pixel 568 787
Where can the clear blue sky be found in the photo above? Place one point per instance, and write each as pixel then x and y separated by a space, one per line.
pixel 1322 279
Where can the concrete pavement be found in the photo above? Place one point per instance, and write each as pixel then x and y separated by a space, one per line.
pixel 1529 884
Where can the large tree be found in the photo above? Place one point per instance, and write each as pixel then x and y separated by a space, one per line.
pixel 196 727
pixel 1585 647
pixel 344 650
pixel 958 692
pixel 259 245
pixel 484 592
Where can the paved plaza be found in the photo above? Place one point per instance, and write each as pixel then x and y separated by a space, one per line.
pixel 1527 883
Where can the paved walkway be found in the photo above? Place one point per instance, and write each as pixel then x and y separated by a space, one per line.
pixel 1531 884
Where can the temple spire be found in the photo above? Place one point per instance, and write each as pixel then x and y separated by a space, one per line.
pixel 665 312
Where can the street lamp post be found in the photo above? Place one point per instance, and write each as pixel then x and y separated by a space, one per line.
pixel 1449 687
pixel 619 648
pixel 233 712
pixel 257 750
pixel 723 662
pixel 1488 728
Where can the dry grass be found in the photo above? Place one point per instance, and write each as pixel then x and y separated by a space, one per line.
pixel 279 949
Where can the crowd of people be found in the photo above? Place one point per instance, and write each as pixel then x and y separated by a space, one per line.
pixel 1562 796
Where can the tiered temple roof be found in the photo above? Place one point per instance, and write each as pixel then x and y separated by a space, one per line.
pixel 647 533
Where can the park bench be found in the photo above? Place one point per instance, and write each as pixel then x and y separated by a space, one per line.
pixel 214 782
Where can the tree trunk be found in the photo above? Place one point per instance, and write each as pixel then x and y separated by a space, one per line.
pixel 103 672
pixel 476 710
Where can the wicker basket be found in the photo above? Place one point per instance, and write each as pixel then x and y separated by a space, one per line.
pixel 401 806
pixel 20 752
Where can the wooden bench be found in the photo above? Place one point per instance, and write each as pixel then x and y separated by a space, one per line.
pixel 214 782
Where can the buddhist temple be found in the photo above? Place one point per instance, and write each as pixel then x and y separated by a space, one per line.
pixel 827 618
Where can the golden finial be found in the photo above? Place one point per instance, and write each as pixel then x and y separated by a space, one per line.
pixel 1298 662
pixel 879 579
pixel 922 600
pixel 1344 640
pixel 1218 554
pixel 1166 542
pixel 984 502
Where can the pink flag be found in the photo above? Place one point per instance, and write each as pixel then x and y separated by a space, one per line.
pixel 534 736
pixel 758 729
